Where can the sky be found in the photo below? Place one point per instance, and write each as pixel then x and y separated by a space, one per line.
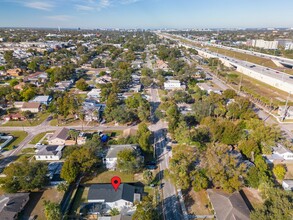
pixel 146 13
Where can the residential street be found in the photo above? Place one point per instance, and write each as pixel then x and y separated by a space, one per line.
pixel 10 156
pixel 171 206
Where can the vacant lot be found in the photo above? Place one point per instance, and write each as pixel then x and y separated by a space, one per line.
pixel 197 203
pixel 289 174
pixel 35 206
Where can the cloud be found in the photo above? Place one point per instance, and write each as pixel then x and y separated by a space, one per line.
pixel 59 17
pixel 89 5
pixel 46 6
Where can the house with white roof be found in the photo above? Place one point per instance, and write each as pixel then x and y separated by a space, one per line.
pixel 42 99
pixel 287 184
pixel 172 84
pixel 280 153
pixel 111 158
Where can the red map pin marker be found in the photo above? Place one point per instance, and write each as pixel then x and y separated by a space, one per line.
pixel 116 181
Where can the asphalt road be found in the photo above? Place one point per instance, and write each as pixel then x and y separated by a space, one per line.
pixel 171 205
pixel 10 156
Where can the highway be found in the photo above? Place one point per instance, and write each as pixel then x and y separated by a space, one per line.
pixel 171 206
pixel 273 77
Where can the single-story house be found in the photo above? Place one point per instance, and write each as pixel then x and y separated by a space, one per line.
pixel 15 72
pixel 59 137
pixel 37 78
pixel 208 88
pixel 14 116
pixel 94 93
pixel 172 84
pixel 280 153
pixel 42 99
pixel 18 104
pixel 160 64
pixel 12 204
pixel 54 171
pixel 116 217
pixel 122 199
pixel 110 159
pixel 49 152
pixel 33 107
pixel 228 206
pixel 287 184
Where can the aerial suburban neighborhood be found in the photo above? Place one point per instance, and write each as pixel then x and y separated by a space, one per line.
pixel 144 124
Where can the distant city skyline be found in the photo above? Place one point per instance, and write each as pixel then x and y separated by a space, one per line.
pixel 146 13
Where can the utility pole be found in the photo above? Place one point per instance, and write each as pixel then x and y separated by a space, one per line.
pixel 286 107
pixel 240 84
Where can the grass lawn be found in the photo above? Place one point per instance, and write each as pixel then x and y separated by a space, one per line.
pixel 106 176
pixel 289 174
pixel 19 136
pixel 40 117
pixel 69 121
pixel 197 203
pixel 39 136
pixel 256 87
pixel 254 197
pixel 35 205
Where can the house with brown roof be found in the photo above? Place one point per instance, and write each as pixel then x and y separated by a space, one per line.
pixel 15 72
pixel 228 206
pixel 59 137
pixel 16 117
pixel 33 107
pixel 19 86
pixel 160 64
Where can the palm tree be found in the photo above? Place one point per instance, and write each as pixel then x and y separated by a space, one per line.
pixel 81 117
pixel 73 134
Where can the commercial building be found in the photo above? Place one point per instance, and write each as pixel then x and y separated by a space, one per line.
pixel 269 45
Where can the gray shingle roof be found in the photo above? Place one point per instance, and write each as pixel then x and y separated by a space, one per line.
pixel 49 150
pixel 12 204
pixel 61 134
pixel 115 149
pixel 106 192
pixel 228 206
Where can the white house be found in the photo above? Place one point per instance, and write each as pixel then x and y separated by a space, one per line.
pixel 49 152
pixel 59 137
pixel 172 84
pixel 33 107
pixel 287 184
pixel 111 158
pixel 122 199
pixel 282 153
pixel 94 93
pixel 42 99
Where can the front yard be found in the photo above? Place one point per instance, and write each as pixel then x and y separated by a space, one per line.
pixel 18 137
pixel 39 118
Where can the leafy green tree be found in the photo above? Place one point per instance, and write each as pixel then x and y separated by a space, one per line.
pixel 25 176
pixel 279 171
pixel 82 85
pixel 148 176
pixel 52 210
pixel 143 135
pixel 28 93
pixel 278 205
pixel 114 212
pixel 13 82
pixel 70 170
pixel 249 148
pixel 146 210
pixel 200 180
pixel 129 161
pixel 33 65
